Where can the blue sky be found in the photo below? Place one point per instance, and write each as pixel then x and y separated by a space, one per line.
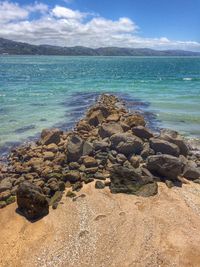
pixel 159 24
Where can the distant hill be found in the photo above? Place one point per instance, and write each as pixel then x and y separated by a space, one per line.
pixel 18 48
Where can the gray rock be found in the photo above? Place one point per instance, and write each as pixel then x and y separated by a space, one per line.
pixel 130 181
pixel 72 176
pixel 165 166
pixel 87 148
pixel 165 147
pixel 74 148
pixel 142 132
pixel 100 145
pixel 121 158
pixel 175 138
pixel 49 136
pixel 32 203
pixel 110 128
pixel 95 118
pixel 191 173
pixel 5 185
pixel 99 185
pixel 126 143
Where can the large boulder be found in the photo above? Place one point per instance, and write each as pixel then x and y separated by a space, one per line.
pixel 175 138
pixel 142 132
pixel 164 147
pixel 32 203
pixel 135 120
pixel 165 166
pixel 100 108
pixel 49 136
pixel 126 143
pixel 74 149
pixel 191 173
pixel 96 118
pixel 5 184
pixel 110 128
pixel 130 181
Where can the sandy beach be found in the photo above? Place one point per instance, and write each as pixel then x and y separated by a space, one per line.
pixel 104 229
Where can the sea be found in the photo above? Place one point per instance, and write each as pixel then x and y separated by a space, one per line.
pixel 38 92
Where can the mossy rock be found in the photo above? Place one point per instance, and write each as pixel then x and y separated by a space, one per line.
pixel 70 194
pixel 10 200
pixel 2 204
pixel 55 198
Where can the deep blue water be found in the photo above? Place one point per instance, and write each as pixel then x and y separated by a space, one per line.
pixel 42 91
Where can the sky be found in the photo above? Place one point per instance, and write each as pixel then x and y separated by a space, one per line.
pixel 156 24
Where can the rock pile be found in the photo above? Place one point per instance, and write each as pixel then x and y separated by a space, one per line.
pixel 109 145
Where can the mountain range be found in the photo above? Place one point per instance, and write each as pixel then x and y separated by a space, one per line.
pixel 9 47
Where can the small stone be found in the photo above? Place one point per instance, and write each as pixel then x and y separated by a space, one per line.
pixel 74 165
pixel 5 185
pixel 5 195
pixel 77 186
pixel 121 158
pixel 169 183
pixel 99 185
pixel 70 194
pixel 113 117
pixel 72 176
pixel 135 161
pixel 91 170
pixel 90 162
pixel 99 175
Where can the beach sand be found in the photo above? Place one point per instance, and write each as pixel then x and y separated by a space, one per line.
pixel 103 229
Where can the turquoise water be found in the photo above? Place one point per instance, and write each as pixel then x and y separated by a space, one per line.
pixel 42 91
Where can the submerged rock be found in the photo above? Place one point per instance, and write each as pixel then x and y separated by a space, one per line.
pixel 32 203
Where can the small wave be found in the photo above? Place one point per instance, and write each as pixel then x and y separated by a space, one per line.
pixel 187 79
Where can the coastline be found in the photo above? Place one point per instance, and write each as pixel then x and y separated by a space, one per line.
pixel 59 156
pixel 88 196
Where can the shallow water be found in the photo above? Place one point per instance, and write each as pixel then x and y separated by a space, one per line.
pixel 37 92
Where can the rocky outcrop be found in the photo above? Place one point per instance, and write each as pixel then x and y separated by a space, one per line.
pixel 31 202
pixel 108 147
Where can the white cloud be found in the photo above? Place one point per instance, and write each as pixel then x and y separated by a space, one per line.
pixel 63 12
pixel 37 7
pixel 66 27
pixel 11 11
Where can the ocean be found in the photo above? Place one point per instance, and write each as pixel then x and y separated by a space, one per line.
pixel 38 92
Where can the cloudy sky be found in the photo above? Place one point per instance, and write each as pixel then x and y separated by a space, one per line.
pixel 158 24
